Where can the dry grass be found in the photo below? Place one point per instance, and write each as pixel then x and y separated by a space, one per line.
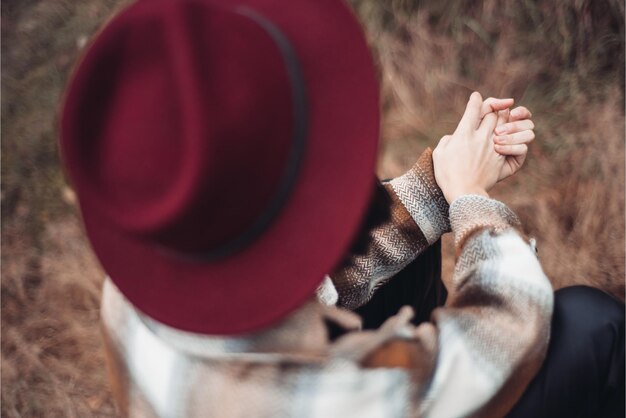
pixel 563 60
pixel 52 363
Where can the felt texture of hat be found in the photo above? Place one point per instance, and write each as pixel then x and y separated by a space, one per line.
pixel 178 132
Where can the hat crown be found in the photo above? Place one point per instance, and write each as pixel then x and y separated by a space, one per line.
pixel 190 162
pixel 184 125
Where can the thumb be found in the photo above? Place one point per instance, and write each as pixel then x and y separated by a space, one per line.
pixel 471 117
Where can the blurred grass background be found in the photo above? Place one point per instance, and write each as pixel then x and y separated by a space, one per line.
pixel 564 60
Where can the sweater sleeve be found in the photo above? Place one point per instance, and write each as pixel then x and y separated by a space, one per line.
pixel 418 218
pixel 479 352
pixel 492 334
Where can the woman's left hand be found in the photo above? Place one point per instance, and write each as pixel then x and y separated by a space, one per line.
pixel 514 132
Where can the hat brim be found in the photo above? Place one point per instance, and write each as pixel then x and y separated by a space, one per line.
pixel 279 271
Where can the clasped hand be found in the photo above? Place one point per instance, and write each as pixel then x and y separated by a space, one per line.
pixel 489 144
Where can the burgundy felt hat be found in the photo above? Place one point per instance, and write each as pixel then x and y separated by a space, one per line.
pixel 223 154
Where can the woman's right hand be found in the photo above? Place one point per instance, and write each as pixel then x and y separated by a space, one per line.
pixel 466 162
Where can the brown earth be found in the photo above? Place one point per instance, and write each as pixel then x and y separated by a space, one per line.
pixel 563 60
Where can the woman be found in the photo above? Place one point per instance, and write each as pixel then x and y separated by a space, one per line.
pixel 212 148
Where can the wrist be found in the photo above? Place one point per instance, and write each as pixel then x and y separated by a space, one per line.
pixel 420 194
pixel 469 214
pixel 455 194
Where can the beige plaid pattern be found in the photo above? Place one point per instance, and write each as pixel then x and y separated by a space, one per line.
pixel 474 358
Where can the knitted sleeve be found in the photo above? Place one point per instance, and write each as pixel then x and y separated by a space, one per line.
pixel 418 218
pixel 480 351
pixel 493 332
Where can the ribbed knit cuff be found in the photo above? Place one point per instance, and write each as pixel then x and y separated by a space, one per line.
pixel 472 213
pixel 421 196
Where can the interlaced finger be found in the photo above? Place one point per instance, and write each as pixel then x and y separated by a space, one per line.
pixel 520 113
pixel 512 127
pixel 523 137
pixel 488 124
pixel 512 150
pixel 492 104
pixel 503 117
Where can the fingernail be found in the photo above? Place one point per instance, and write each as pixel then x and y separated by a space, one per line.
pixel 515 113
pixel 498 138
pixel 501 129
